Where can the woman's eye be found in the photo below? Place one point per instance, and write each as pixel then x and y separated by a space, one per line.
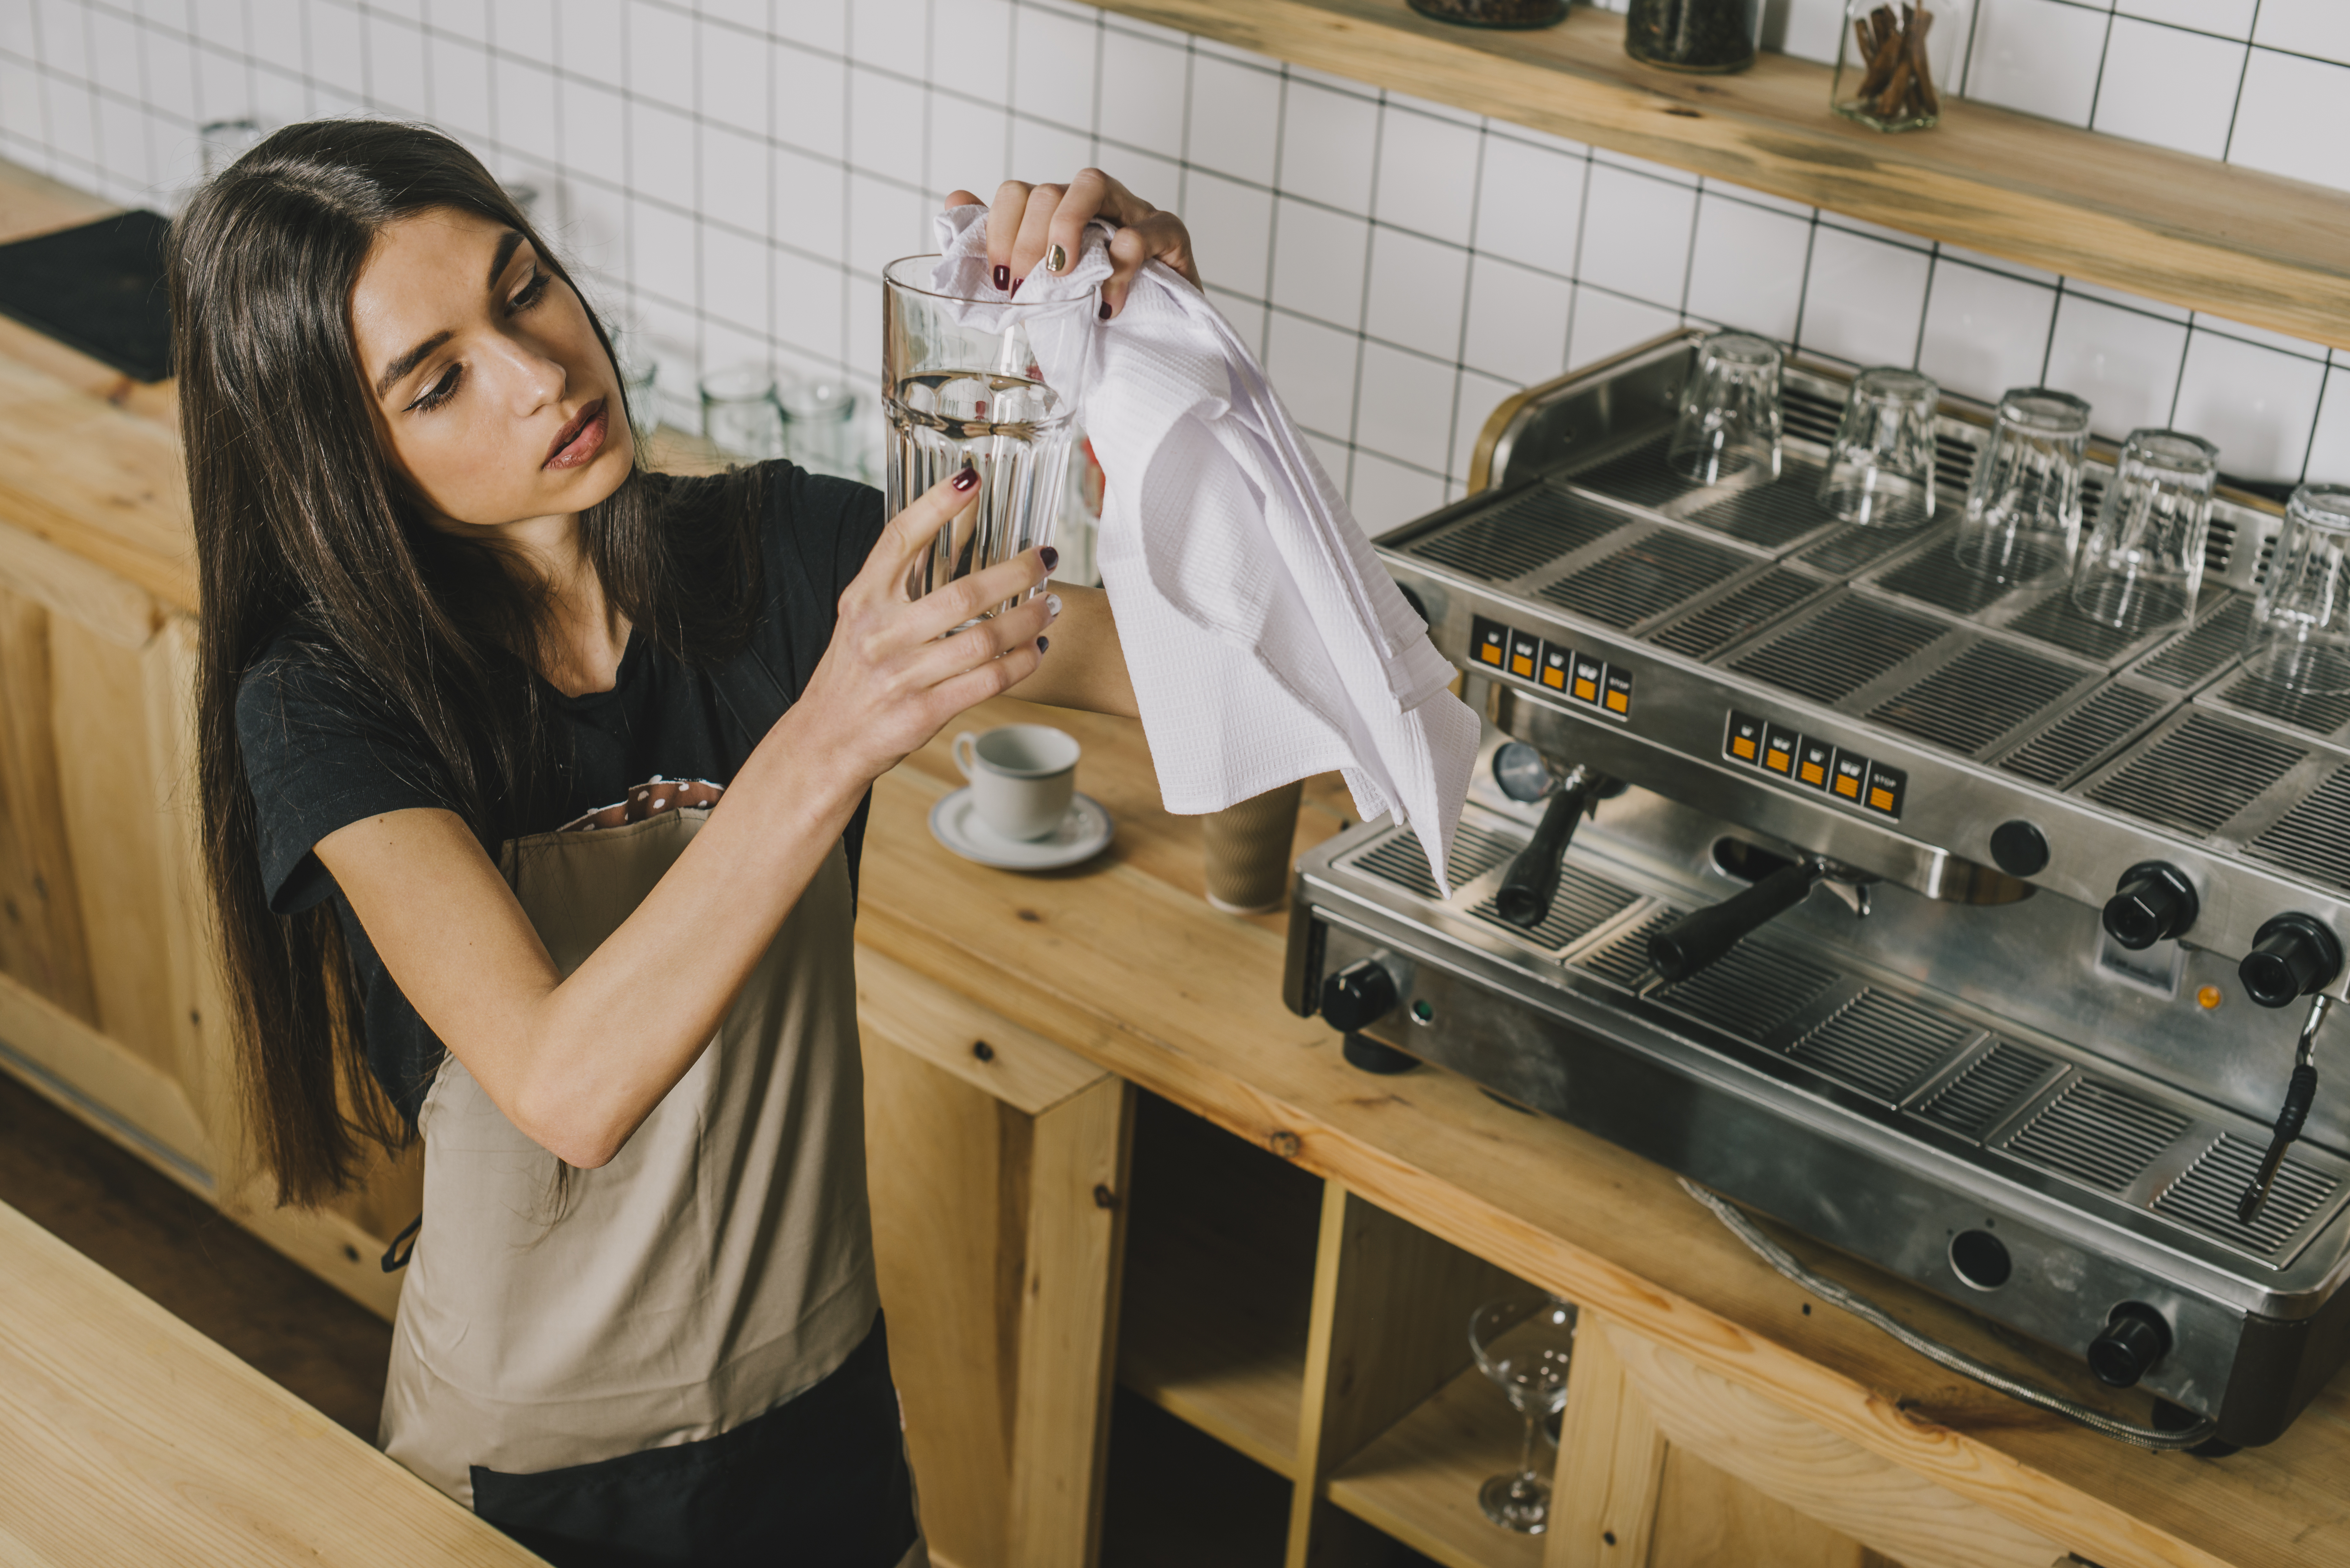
pixel 532 291
pixel 440 393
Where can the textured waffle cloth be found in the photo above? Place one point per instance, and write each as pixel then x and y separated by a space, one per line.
pixel 1265 640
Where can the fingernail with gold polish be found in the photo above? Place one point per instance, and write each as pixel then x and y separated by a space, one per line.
pixel 1056 259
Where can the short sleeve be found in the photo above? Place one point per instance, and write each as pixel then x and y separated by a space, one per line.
pixel 319 755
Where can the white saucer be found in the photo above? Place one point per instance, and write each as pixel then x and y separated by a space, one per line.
pixel 1084 833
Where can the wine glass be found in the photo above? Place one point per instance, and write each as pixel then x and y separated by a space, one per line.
pixel 1524 1342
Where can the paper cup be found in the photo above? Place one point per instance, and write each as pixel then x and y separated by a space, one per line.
pixel 1247 851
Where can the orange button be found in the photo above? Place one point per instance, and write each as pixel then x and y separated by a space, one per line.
pixel 1619 702
pixel 1555 677
pixel 1586 691
pixel 1490 652
pixel 1741 748
pixel 1780 761
pixel 1521 666
pixel 1848 786
pixel 1882 799
pixel 1811 772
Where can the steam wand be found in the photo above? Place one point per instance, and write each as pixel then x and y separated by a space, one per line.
pixel 2300 1094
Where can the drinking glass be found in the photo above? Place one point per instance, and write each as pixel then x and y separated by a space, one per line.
pixel 740 414
pixel 2023 509
pixel 1729 419
pixel 963 386
pixel 1881 470
pixel 818 426
pixel 2141 563
pixel 1523 1342
pixel 221 143
pixel 2300 636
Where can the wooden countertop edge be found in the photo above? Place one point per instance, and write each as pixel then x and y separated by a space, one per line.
pixel 2194 232
pixel 2016 1465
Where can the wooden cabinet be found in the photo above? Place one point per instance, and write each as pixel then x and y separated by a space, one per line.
pixel 1326 1340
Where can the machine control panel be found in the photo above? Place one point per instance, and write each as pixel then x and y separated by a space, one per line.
pixel 1814 764
pixel 1582 678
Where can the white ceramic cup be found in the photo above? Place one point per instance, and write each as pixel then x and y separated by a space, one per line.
pixel 1022 777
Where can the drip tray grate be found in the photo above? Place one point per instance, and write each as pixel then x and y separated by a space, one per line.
pixel 1982 1096
pixel 1521 535
pixel 1399 860
pixel 2204 1199
pixel 1935 577
pixel 1830 655
pixel 1584 903
pixel 1880 1044
pixel 1638 476
pixel 2312 839
pixel 2194 657
pixel 2314 713
pixel 2083 737
pixel 1653 574
pixel 1977 697
pixel 2096 1134
pixel 2200 775
pixel 1770 515
pixel 1737 614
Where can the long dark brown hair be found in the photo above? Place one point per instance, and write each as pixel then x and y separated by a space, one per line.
pixel 306 532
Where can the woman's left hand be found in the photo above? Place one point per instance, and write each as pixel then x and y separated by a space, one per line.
pixel 1028 223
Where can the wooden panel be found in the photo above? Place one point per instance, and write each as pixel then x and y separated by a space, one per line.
pixel 1389 1329
pixel 1068 1320
pixel 1810 1469
pixel 108 1086
pixel 42 940
pixel 1705 1519
pixel 2192 231
pixel 1418 1480
pixel 127 1436
pixel 1611 1461
pixel 113 817
pixel 984 1049
pixel 946 1167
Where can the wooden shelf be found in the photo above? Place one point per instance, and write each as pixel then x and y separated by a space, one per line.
pixel 1219 1283
pixel 2194 232
pixel 1176 1498
pixel 1418 1481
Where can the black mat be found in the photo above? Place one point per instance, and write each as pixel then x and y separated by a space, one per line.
pixel 98 288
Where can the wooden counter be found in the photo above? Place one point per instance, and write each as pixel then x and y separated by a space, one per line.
pixel 2194 232
pixel 127 1436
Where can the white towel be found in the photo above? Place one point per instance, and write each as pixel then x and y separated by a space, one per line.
pixel 1265 640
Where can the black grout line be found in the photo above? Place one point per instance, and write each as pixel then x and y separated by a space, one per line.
pixel 2105 53
pixel 2243 75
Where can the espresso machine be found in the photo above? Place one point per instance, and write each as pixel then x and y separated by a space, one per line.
pixel 1909 908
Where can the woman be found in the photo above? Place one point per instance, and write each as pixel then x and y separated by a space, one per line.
pixel 534 786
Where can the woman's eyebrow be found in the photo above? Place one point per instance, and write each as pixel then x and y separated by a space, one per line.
pixel 398 370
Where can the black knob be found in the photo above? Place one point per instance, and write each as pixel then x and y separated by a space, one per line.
pixel 1357 995
pixel 2292 956
pixel 2135 1338
pixel 2019 848
pixel 2154 901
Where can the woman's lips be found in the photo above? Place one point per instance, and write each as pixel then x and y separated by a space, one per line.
pixel 580 440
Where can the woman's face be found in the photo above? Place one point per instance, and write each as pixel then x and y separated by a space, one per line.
pixel 490 390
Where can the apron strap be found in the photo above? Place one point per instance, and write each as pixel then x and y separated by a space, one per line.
pixel 394 1259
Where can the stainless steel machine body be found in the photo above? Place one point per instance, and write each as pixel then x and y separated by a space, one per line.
pixel 1992 1099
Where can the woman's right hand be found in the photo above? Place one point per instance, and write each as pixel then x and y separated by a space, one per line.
pixel 890 680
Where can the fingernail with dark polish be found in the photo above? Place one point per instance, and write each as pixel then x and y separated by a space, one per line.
pixel 1104 312
pixel 1016 283
pixel 966 477
pixel 1050 556
pixel 1043 644
pixel 1003 277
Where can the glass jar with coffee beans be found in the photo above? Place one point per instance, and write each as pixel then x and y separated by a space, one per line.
pixel 1885 76
pixel 1692 34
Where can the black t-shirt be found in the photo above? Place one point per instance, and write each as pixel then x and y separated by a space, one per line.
pixel 319 755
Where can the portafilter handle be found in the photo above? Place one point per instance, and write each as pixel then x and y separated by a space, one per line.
pixel 1532 881
pixel 1693 941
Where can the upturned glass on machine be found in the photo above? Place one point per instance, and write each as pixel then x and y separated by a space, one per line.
pixel 1880 473
pixel 2023 507
pixel 963 386
pixel 2300 634
pixel 1729 420
pixel 2140 565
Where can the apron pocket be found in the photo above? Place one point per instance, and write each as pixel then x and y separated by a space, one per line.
pixel 820 1482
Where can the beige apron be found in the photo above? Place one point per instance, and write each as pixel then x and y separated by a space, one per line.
pixel 722 1263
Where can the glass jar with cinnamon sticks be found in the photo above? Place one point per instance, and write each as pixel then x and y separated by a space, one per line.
pixel 1884 77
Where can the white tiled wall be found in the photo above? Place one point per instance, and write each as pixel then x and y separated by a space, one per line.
pixel 733 175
